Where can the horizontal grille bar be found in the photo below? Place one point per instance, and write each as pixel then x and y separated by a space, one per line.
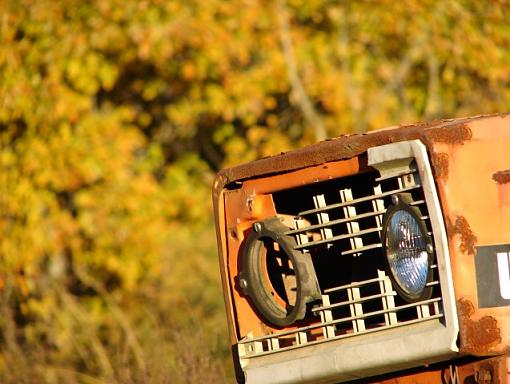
pixel 353 285
pixel 335 222
pixel 359 200
pixel 339 237
pixel 362 249
pixel 361 300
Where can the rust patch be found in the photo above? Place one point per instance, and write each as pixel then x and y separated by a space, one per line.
pixel 440 165
pixel 451 131
pixel 502 177
pixel 477 337
pixel 467 237
pixel 454 135
pixel 465 308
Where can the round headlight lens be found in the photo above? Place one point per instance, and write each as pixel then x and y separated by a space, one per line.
pixel 405 242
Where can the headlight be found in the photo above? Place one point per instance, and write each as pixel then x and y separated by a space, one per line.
pixel 408 251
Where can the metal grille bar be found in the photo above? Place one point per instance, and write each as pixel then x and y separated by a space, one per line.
pixel 339 237
pixel 335 222
pixel 359 200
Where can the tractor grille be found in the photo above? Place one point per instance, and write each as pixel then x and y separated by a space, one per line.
pixel 339 223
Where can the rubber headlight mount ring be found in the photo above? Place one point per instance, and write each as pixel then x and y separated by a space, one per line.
pixel 252 279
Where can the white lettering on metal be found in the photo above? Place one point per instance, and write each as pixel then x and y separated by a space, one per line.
pixel 504 275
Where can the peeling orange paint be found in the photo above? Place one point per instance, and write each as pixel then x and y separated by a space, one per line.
pixel 477 336
pixel 467 237
pixel 502 177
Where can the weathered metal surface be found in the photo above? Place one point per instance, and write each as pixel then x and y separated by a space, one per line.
pixel 502 177
pixel 488 371
pixel 494 370
pixel 461 227
pixel 477 336
pixel 339 359
pixel 470 160
pixel 456 135
pixel 451 132
pixel 440 165
pixel 475 200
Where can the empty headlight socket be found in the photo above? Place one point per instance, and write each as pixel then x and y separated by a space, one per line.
pixel 255 280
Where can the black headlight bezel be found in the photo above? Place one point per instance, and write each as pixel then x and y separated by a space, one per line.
pixel 399 203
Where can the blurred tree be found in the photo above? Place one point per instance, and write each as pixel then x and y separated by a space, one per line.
pixel 114 116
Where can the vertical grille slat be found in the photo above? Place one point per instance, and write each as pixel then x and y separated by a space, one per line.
pixel 323 217
pixel 326 317
pixel 388 301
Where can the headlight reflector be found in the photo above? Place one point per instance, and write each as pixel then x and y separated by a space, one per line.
pixel 408 252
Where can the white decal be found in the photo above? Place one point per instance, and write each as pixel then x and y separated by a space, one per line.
pixel 504 275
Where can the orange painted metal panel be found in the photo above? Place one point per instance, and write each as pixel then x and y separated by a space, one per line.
pixel 494 370
pixel 475 198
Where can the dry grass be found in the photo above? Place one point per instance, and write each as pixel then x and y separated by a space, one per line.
pixel 172 329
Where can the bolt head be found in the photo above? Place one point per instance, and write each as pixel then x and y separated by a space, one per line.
pixel 395 199
pixel 249 204
pixel 430 248
pixel 257 227
pixel 243 284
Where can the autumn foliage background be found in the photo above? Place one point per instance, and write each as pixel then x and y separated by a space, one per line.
pixel 114 117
